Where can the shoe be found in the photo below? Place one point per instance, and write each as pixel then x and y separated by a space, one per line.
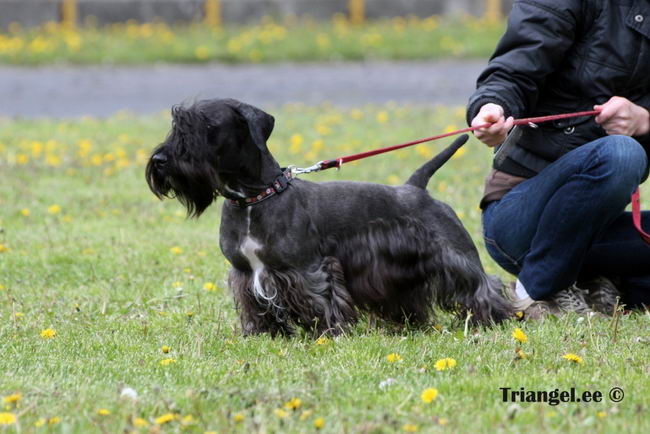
pixel 602 294
pixel 529 309
pixel 571 299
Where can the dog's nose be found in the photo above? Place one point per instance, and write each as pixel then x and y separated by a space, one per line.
pixel 159 159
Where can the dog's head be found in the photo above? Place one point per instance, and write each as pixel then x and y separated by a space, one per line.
pixel 215 147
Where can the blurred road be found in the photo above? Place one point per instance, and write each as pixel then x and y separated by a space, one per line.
pixel 70 91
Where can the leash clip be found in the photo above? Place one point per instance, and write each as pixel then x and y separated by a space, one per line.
pixel 295 171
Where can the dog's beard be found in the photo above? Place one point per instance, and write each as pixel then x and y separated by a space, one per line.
pixel 195 185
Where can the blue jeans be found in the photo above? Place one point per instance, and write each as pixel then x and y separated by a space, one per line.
pixel 568 222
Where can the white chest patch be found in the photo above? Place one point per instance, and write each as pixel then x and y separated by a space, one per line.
pixel 249 248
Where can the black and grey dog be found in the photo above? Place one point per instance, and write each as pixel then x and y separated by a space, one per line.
pixel 316 254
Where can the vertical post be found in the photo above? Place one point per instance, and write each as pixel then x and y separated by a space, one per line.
pixel 493 10
pixel 357 11
pixel 69 13
pixel 213 13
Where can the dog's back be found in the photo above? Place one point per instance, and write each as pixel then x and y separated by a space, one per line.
pixel 421 176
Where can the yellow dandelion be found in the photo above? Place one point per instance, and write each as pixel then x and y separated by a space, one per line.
pixel 209 286
pixel 103 412
pixel 165 349
pixel 382 117
pixel 393 358
pixel 322 341
pixel 176 250
pixel 573 358
pixel 393 180
pixel 7 418
pixel 2 287
pixel 177 284
pixel 167 362
pixel 165 418
pixel 187 420
pixel 601 415
pixel 12 399
pixel 459 153
pixel 40 422
pixel 19 315
pixel 444 364
pixel 443 421
pixel 520 354
pixel 428 395
pixel 306 414
pixel 190 313
pixel 238 417
pixel 139 422
pixel 3 248
pixel 356 114
pixel 54 209
pixel 24 212
pixel 519 335
pixel 519 315
pixel 409 427
pixel 319 423
pixel 202 52
pixel 293 404
pixel 54 420
pixel 48 334
pixel 280 413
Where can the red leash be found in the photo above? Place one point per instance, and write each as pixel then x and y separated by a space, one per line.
pixel 328 164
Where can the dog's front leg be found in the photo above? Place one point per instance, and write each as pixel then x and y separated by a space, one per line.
pixel 255 317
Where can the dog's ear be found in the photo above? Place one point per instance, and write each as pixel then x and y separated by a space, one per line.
pixel 260 124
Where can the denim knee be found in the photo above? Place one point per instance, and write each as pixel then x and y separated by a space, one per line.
pixel 624 158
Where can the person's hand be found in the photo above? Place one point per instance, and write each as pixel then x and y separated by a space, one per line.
pixel 497 132
pixel 621 116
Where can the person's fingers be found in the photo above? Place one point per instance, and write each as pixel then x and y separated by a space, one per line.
pixel 510 122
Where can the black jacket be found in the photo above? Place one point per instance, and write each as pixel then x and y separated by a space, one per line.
pixel 560 56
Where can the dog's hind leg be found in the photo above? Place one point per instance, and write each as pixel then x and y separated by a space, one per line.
pixel 462 283
pixel 255 317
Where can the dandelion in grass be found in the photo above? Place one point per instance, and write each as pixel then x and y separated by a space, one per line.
pixel 40 422
pixel 573 358
pixel 12 399
pixel 7 418
pixel 177 284
pixel 519 335
pixel 48 334
pixel 238 417
pixel 429 395
pixel 103 412
pixel 519 315
pixel 443 421
pixel 520 354
pixel 280 413
pixel 319 423
pixel 24 212
pixel 306 414
pixel 323 340
pixel 2 287
pixel 444 364
pixel 394 358
pixel 139 422
pixel 176 250
pixel 382 117
pixel 601 415
pixel 188 420
pixel 209 286
pixel 293 404
pixel 165 349
pixel 54 420
pixel 54 209
pixel 167 362
pixel 165 418
pixel 3 248
pixel 409 427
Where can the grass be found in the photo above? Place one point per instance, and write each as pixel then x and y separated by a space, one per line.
pixel 270 41
pixel 88 252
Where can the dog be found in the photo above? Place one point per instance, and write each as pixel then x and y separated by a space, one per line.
pixel 316 255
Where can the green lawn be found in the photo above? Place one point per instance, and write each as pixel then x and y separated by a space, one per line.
pixel 88 252
pixel 269 41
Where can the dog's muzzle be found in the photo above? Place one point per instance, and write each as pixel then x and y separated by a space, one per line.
pixel 159 159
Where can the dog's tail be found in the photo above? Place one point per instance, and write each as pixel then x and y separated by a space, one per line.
pixel 421 176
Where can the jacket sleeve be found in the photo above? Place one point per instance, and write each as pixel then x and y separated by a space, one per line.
pixel 538 35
